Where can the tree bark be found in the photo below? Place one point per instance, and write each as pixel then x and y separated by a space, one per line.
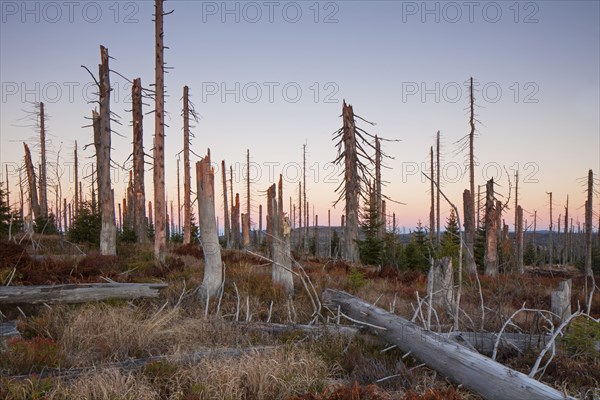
pixel 491 235
pixel 432 231
pixel 187 204
pixel 476 372
pixel 34 205
pixel 43 179
pixel 560 300
pixel 213 266
pixel 519 238
pixel 235 222
pixel 588 224
pixel 160 237
pixel 470 265
pixel 138 207
pixel 226 206
pixel 352 185
pixel 77 293
pixel 440 283
pixel 102 136
pixel 280 243
pixel 438 181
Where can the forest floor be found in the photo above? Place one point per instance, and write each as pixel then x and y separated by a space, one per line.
pixel 79 351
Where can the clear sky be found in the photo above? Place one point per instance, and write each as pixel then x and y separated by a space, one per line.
pixel 271 76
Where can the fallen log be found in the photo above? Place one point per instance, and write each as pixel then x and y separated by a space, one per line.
pixel 9 330
pixel 138 363
pixel 478 373
pixel 77 293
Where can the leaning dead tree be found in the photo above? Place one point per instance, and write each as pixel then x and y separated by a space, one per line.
pixel 102 139
pixel 209 237
pixel 138 207
pixel 160 234
pixel 476 372
pixel 280 243
pixel 34 205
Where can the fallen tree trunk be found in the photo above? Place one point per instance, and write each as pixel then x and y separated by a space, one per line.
pixel 77 293
pixel 138 363
pixel 478 373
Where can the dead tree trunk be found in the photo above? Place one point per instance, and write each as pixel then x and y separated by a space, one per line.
pixel 129 206
pixel 432 231
pixel 519 239
pixel 43 180
pixel 226 206
pixel 352 185
pixel 491 235
pixel 378 190
pixel 34 205
pixel 260 226
pixel 560 300
pixel 304 202
pixel 470 219
pixel 245 231
pixel 76 174
pixel 213 266
pixel 187 204
pixel 248 221
pixel 440 284
pixel 478 373
pixel 588 224
pixel 438 188
pixel 566 234
pixel 280 243
pixel 102 133
pixel 235 222
pixel 550 245
pixel 471 267
pixel 160 236
pixel 140 224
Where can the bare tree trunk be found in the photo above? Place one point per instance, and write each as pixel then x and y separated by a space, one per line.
pixel 438 180
pixel 491 235
pixel 383 216
pixel 432 226
pixel 588 224
pixel 150 213
pixel 300 235
pixel 226 206
pixel 43 179
pixel 305 203
pixel 561 300
pixel 566 234
pixel 245 231
pixel 213 266
pixel 130 210
pixel 235 222
pixel 519 239
pixel 441 284
pixel 248 221
pixel 352 185
pixel 178 199
pixel 102 140
pixel 260 226
pixel 76 173
pixel 65 215
pixel 140 224
pixel 34 206
pixel 187 203
pixel 551 245
pixel 378 189
pixel 328 233
pixel 280 244
pixel 160 237
pixel 516 199
pixel 470 266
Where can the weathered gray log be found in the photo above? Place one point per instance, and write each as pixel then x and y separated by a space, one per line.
pixel 77 293
pixel 560 303
pixel 9 329
pixel 478 373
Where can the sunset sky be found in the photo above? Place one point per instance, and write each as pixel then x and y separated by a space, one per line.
pixel 271 77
